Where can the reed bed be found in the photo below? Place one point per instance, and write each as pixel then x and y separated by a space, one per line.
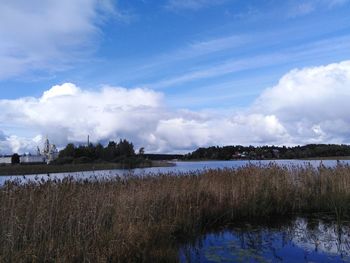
pixel 145 219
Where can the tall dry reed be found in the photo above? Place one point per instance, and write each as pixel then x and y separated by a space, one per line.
pixel 144 219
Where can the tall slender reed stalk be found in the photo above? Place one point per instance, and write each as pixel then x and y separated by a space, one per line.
pixel 144 219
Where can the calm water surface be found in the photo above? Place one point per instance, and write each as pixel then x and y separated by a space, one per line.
pixel 300 240
pixel 179 167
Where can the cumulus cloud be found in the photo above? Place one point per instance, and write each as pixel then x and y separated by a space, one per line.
pixel 185 134
pixel 308 105
pixel 67 89
pixel 47 35
pixel 312 103
pixel 68 113
pixel 14 144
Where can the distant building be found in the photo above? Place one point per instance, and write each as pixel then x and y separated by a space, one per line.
pixel 276 153
pixel 5 159
pixel 48 153
pixel 32 159
pixel 239 155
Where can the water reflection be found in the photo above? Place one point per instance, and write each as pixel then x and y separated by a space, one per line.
pixel 300 240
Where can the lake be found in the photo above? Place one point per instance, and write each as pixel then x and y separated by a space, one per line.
pixel 317 239
pixel 180 167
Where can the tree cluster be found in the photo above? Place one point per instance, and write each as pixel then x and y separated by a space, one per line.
pixel 269 152
pixel 113 152
pixel 15 159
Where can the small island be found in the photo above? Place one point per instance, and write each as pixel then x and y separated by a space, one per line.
pixel 89 157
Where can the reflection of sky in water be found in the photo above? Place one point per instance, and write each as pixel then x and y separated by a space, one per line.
pixel 179 168
pixel 301 241
pixel 323 237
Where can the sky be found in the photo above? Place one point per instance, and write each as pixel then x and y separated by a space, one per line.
pixel 174 75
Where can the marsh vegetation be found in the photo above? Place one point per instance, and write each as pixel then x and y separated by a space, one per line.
pixel 148 219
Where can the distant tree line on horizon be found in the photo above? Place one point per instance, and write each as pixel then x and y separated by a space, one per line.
pixel 123 151
pixel 268 152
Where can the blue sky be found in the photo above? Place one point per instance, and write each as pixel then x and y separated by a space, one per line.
pixel 199 56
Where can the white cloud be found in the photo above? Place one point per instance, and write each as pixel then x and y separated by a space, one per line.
pixel 309 105
pixel 47 35
pixel 317 93
pixel 312 100
pixel 188 133
pixel 13 143
pixel 67 89
pixel 68 113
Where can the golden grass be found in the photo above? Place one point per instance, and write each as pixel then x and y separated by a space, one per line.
pixel 144 219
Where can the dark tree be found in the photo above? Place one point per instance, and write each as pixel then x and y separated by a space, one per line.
pixel 142 151
pixel 69 151
pixel 110 151
pixel 125 148
pixel 15 159
pixel 99 151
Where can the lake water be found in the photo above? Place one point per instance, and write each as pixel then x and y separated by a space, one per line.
pixel 300 240
pixel 180 167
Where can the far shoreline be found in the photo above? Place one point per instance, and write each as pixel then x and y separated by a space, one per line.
pixel 36 169
pixel 330 158
pixel 32 169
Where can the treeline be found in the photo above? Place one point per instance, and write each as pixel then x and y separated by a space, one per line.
pixel 123 151
pixel 269 152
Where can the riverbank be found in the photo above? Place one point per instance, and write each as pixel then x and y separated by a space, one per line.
pixel 27 169
pixel 147 219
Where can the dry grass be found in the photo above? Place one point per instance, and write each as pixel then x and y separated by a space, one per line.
pixel 144 219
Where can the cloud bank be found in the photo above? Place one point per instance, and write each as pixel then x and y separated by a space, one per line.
pixel 309 105
pixel 47 35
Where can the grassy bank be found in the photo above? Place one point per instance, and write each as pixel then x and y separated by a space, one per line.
pixel 26 169
pixel 145 219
